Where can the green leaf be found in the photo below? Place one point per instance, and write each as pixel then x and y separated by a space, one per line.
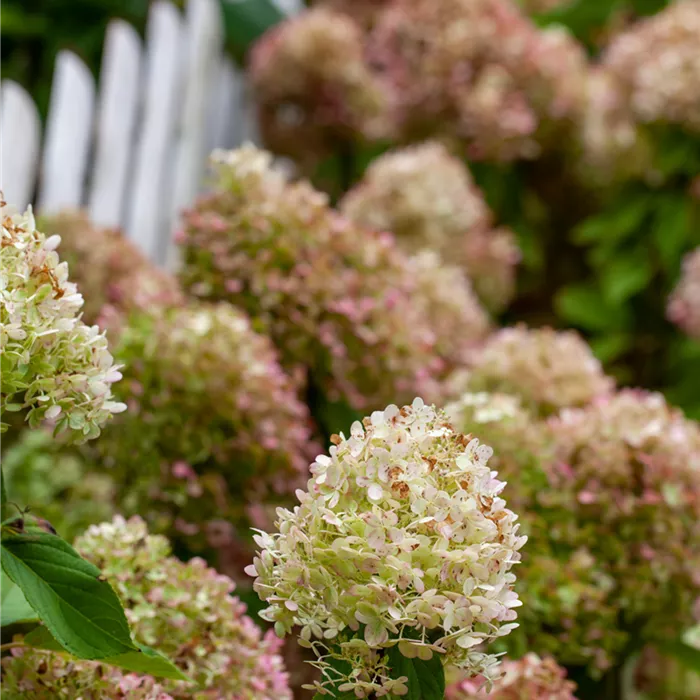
pixel 79 608
pixel 15 607
pixel 142 660
pixel 426 679
pixel 247 20
pixel 626 275
pixel 585 307
pixel 683 653
pixel 614 225
pixel 610 346
pixel 3 494
pixel 672 230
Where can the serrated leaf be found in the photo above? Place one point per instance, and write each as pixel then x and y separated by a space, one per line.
pixel 142 660
pixel 79 608
pixel 15 607
pixel 426 679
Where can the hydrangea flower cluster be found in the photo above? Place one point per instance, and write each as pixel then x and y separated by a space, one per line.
pixel 657 64
pixel 625 483
pixel 529 678
pixel 54 367
pixel 313 86
pixel 518 438
pixel 548 369
pixel 336 298
pixel 684 304
pixel 427 198
pixel 479 70
pixel 184 610
pixel 208 401
pixel 111 272
pixel 612 146
pixel 401 539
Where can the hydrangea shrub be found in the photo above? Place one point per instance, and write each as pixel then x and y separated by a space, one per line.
pixel 184 610
pixel 427 197
pixel 214 424
pixel 657 64
pixel 340 301
pixel 547 369
pixel 402 544
pixel 55 368
pixel 313 86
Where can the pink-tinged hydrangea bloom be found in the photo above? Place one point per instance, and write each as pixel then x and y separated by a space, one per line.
pixel 518 438
pixel 529 678
pixel 54 367
pixel 336 298
pixel 625 485
pixel 610 497
pixel 183 610
pixel 427 198
pixel 684 304
pixel 111 272
pixel 612 145
pixel 403 530
pixel 210 410
pixel 657 64
pixel 313 87
pixel 478 71
pixel 548 369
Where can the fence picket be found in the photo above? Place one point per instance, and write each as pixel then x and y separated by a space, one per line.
pixel 20 134
pixel 161 111
pixel 68 135
pixel 203 50
pixel 145 214
pixel 118 101
pixel 223 108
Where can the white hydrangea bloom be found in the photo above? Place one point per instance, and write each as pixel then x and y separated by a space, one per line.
pixel 53 365
pixel 402 538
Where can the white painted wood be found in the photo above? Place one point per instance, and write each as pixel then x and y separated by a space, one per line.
pixel 68 135
pixel 147 192
pixel 20 134
pixel 223 103
pixel 120 83
pixel 203 50
pixel 290 7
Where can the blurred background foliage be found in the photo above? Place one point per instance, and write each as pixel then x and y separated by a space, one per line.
pixel 33 31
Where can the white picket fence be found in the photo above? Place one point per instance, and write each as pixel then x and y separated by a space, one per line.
pixel 131 150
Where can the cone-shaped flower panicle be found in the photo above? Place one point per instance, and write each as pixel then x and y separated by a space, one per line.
pixel 54 367
pixel 403 539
